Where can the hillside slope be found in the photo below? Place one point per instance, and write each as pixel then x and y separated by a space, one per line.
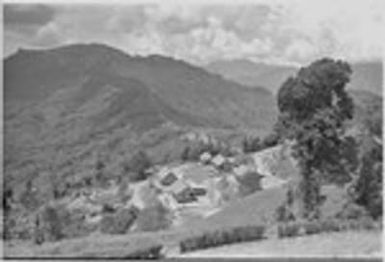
pixel 67 107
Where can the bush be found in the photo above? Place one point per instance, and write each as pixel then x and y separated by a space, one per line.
pixel 284 214
pixel 330 226
pixel 153 218
pixel 222 237
pixel 119 222
pixel 249 183
pixel 49 223
pixel 368 189
pixel 288 230
pixel 106 208
pixel 137 166
pixel 360 224
pixel 352 211
pixel 314 227
pixel 153 252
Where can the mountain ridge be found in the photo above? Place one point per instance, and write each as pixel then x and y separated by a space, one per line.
pixel 366 75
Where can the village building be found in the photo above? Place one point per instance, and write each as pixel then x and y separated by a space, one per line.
pixel 228 187
pixel 169 179
pixel 197 175
pixel 205 158
pixel 218 161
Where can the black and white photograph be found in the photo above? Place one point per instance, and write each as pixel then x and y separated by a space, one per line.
pixel 204 130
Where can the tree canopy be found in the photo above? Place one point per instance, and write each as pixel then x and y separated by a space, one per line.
pixel 314 106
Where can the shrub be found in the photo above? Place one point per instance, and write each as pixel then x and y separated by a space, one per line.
pixel 360 224
pixel 249 183
pixel 288 230
pixel 119 222
pixel 250 145
pixel 153 252
pixel 221 237
pixel 137 166
pixel 49 223
pixel 106 208
pixel 284 214
pixel 352 211
pixel 153 218
pixel 368 188
pixel 124 193
pixel 313 227
pixel 330 226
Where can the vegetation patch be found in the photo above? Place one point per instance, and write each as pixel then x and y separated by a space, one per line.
pixel 153 218
pixel 222 237
pixel 289 230
pixel 154 252
pixel 119 222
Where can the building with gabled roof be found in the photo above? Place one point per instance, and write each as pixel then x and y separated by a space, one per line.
pixel 169 179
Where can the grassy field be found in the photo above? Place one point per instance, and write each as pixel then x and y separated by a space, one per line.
pixel 257 208
pixel 342 244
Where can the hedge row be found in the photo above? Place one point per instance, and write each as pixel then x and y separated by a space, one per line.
pixel 251 233
pixel 315 227
pixel 292 229
pixel 288 230
pixel 154 252
pixel 222 237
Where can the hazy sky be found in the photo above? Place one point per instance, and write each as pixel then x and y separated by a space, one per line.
pixel 295 31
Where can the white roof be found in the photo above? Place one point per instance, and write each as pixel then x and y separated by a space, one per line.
pixel 218 160
pixel 205 156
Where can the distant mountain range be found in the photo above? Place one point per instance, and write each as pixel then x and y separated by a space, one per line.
pixel 366 76
pixel 65 105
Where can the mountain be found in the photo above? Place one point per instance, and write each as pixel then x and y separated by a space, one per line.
pixel 253 74
pixel 68 106
pixel 366 75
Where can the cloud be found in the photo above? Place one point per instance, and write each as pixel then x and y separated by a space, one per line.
pixel 340 28
pixel 296 31
pixel 27 15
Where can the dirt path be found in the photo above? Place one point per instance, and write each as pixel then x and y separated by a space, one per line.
pixel 346 244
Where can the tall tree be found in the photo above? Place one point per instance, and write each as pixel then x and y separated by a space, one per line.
pixel 138 165
pixel 314 106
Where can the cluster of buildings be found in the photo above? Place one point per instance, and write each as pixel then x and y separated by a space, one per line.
pixel 196 187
